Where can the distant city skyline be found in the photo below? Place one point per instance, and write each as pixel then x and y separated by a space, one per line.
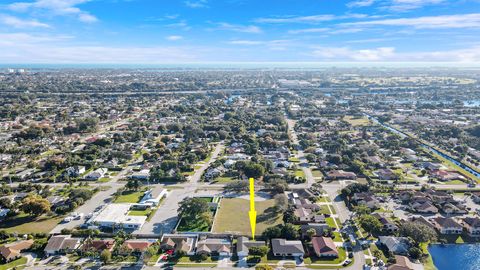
pixel 156 32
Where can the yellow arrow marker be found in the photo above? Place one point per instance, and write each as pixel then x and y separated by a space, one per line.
pixel 252 213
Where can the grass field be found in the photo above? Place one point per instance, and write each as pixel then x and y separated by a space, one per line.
pixel 130 197
pixel 26 224
pixel 299 173
pixel 317 173
pixel 354 121
pixel 13 264
pixel 232 216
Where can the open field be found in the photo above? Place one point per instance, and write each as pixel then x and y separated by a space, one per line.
pixel 354 121
pixel 130 197
pixel 232 216
pixel 26 224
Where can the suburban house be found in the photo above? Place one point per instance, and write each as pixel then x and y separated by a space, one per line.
pixel 447 225
pixel 386 174
pixel 367 199
pixel 424 208
pixel 179 242
pixel 388 225
pixel 244 244
pixel 397 245
pixel 98 245
pixel 59 244
pixel 401 263
pixel 340 174
pixel 444 175
pixel 116 216
pixel 13 250
pixel 472 226
pixel 95 175
pixel 324 247
pixel 319 229
pixel 153 196
pixel 138 245
pixel 283 247
pixel 141 175
pixel 220 246
pixel 75 171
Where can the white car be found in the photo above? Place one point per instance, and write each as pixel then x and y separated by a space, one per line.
pixel 67 219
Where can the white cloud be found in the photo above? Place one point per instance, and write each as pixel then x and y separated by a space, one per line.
pixel 389 54
pixel 428 22
pixel 310 19
pixel 309 30
pixel 55 7
pixel 29 49
pixel 239 28
pixel 21 23
pixel 174 38
pixel 360 3
pixel 345 53
pixel 406 5
pixel 196 4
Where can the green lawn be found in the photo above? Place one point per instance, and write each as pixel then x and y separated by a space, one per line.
pixel 356 121
pixel 428 262
pixel 337 237
pixel 232 216
pixel 294 159
pixel 317 173
pixel 324 209
pixel 194 226
pixel 130 197
pixel 145 212
pixel 330 222
pixel 224 179
pixel 13 264
pixel 299 173
pixel 104 179
pixel 23 224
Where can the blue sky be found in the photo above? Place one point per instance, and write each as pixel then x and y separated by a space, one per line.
pixel 169 31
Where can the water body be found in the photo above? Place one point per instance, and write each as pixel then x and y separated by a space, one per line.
pixel 456 257
pixel 453 160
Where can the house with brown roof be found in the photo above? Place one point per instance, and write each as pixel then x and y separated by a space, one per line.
pixel 324 247
pixel 472 226
pixel 13 250
pixel 179 242
pixel 401 263
pixel 138 245
pixel 341 175
pixel 447 225
pixel 62 244
pixel 388 224
pixel 98 245
pixel 283 247
pixel 209 246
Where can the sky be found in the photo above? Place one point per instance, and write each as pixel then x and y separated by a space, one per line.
pixel 200 31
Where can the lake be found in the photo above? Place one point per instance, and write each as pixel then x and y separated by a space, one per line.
pixel 456 257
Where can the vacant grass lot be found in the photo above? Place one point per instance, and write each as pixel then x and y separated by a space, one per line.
pixel 130 197
pixel 232 216
pixel 356 121
pixel 24 224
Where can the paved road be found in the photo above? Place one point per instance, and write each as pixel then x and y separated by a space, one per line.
pixel 300 155
pixel 166 216
pixel 99 199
